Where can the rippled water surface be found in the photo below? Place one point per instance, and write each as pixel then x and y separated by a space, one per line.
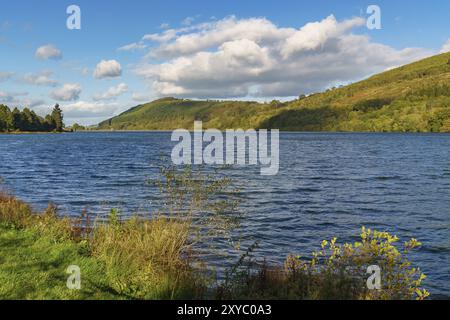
pixel 328 185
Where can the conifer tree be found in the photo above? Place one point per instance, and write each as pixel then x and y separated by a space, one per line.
pixel 57 117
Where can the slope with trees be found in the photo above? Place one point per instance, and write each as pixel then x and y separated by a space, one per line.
pixel 412 98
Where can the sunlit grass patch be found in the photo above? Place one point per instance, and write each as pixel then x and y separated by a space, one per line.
pixel 33 266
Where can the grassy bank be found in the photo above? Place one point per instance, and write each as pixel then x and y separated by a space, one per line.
pixel 158 258
pixel 131 260
pixel 33 265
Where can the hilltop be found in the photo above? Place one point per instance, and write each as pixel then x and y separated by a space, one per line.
pixel 411 98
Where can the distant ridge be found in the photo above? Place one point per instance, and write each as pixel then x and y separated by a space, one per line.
pixel 411 98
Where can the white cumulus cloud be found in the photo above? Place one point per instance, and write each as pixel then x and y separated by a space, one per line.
pixel 85 109
pixel 47 52
pixel 112 92
pixel 213 34
pixel 314 35
pixel 107 69
pixel 68 92
pixel 233 58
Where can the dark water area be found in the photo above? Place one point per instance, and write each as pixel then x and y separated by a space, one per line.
pixel 329 184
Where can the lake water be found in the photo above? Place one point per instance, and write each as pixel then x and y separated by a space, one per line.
pixel 328 185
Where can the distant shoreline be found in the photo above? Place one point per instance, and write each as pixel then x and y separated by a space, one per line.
pixel 281 131
pixel 29 132
pixel 169 131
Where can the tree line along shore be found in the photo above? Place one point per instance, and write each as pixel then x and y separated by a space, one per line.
pixel 13 121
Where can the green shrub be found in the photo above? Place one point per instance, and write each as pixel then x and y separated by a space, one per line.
pixel 335 272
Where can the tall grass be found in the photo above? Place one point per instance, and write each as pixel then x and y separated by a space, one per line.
pixel 141 259
pixel 147 259
pixel 152 258
pixel 18 214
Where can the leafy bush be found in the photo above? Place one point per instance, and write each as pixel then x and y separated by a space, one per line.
pixel 335 272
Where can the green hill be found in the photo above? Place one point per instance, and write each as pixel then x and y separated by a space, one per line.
pixel 412 98
pixel 171 113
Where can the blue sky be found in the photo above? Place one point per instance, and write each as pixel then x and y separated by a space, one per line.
pixel 201 49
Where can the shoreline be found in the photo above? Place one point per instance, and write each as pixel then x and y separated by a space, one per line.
pixel 281 131
pixel 30 132
pixel 113 256
pixel 191 130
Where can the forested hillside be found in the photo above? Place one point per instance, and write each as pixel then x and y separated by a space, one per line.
pixel 412 98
